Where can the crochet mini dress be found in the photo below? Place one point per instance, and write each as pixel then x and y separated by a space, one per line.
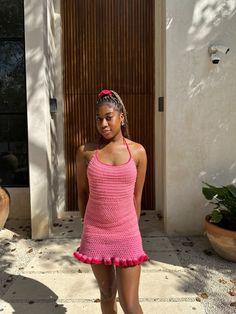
pixel 111 232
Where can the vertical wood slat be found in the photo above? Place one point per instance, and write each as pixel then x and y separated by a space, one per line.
pixel 108 44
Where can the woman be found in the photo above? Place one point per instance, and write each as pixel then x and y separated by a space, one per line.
pixel 110 181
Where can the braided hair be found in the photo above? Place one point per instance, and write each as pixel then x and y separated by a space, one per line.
pixel 113 98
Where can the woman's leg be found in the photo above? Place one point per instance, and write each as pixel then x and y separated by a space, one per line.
pixel 106 279
pixel 128 286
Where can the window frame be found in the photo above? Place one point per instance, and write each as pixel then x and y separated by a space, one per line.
pixel 25 113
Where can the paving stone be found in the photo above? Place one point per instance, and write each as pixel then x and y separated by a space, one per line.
pixel 57 246
pixel 94 308
pixel 37 286
pixel 48 262
pixel 172 307
pixel 70 286
pixel 69 227
pixel 197 243
pixel 157 244
pixel 151 228
pixel 179 270
pixel 51 258
pixel 163 260
pixel 166 284
pixel 13 226
pixel 34 308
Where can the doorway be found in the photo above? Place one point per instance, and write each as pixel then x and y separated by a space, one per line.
pixel 109 44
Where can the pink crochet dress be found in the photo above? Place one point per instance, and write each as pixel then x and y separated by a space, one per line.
pixel 111 232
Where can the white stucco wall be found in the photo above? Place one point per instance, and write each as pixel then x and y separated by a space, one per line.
pixel 59 158
pixel 39 73
pixel 200 108
pixel 159 92
pixel 45 129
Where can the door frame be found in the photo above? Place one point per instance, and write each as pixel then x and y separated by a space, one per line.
pixel 159 78
pixel 159 124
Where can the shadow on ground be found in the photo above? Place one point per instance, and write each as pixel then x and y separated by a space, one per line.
pixel 16 288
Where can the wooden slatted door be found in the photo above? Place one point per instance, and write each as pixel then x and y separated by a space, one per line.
pixel 108 44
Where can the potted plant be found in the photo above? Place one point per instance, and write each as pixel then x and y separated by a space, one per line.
pixel 221 223
pixel 4 206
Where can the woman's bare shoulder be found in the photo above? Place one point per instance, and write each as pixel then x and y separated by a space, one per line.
pixel 137 150
pixel 90 146
pixel 135 147
pixel 87 150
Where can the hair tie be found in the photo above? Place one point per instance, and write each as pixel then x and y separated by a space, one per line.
pixel 105 92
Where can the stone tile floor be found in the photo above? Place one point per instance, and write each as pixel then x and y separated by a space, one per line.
pixel 184 274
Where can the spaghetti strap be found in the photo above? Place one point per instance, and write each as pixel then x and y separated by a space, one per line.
pixel 124 140
pixel 97 148
pixel 127 147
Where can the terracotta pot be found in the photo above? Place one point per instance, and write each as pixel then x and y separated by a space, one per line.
pixel 4 206
pixel 222 240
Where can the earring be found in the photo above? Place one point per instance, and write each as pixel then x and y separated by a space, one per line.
pixel 122 123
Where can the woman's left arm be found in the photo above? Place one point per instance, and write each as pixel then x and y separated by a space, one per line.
pixel 141 173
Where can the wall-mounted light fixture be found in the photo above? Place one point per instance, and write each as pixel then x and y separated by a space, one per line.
pixel 213 49
pixel 53 104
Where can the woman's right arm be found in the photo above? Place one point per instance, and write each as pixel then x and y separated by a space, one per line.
pixel 82 180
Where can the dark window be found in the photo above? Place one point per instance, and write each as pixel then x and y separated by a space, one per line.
pixel 13 113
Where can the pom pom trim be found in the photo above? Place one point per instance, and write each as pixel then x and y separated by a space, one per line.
pixel 110 261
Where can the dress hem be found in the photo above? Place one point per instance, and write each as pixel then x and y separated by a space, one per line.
pixel 111 261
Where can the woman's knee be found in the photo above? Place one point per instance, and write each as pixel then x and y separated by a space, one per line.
pixel 108 292
pixel 106 279
pixel 130 307
pixel 108 289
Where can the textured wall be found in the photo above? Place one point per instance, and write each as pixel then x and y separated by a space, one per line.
pixel 200 108
pixel 57 123
pixel 39 136
pixel 45 129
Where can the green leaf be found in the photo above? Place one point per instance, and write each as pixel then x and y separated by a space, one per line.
pixel 232 189
pixel 208 193
pixel 221 192
pixel 216 216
